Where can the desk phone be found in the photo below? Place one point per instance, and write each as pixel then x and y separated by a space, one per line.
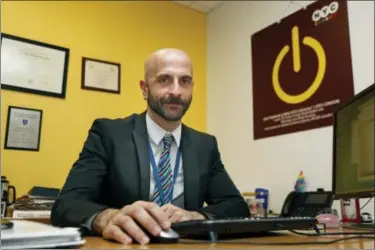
pixel 308 204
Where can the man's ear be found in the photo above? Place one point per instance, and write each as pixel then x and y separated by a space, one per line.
pixel 143 86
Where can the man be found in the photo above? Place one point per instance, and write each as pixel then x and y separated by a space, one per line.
pixel 135 176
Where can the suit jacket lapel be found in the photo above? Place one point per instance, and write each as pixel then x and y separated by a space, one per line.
pixel 191 171
pixel 141 142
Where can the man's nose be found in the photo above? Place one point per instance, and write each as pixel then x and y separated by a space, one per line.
pixel 175 88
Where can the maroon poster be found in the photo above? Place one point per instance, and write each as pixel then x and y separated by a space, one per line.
pixel 302 69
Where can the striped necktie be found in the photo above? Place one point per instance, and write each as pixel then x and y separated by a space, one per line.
pixel 164 172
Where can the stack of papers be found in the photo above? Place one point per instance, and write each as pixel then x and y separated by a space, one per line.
pixel 36 204
pixel 31 234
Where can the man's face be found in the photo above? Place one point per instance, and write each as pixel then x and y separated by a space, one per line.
pixel 170 87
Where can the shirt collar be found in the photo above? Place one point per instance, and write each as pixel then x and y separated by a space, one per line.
pixel 157 133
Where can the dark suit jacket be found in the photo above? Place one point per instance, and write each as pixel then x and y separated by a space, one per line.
pixel 113 170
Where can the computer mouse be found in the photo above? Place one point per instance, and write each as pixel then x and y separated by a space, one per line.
pixel 165 236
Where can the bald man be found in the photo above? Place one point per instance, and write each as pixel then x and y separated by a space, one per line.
pixel 137 175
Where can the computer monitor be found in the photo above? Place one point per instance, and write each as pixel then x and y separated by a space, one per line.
pixel 353 147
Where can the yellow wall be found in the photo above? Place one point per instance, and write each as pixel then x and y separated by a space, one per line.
pixel 122 31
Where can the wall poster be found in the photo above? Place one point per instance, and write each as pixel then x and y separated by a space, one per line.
pixel 302 69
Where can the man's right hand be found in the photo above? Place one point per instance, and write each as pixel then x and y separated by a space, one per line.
pixel 130 222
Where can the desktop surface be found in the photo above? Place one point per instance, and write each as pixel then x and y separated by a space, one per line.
pixel 283 237
pixel 279 237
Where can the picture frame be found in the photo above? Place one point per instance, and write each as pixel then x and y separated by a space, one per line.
pixel 23 128
pixel 33 66
pixel 101 75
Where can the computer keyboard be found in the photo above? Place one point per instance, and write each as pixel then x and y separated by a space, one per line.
pixel 244 225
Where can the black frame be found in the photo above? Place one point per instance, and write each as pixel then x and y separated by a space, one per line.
pixel 47 45
pixel 83 74
pixel 7 128
pixel 362 194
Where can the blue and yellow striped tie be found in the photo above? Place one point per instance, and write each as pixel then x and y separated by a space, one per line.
pixel 164 172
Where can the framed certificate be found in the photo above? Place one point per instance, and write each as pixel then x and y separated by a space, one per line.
pixel 23 128
pixel 33 67
pixel 101 75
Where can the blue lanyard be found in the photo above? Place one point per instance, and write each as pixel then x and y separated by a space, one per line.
pixel 157 177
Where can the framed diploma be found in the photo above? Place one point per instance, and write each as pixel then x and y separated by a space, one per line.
pixel 23 128
pixel 101 75
pixel 33 67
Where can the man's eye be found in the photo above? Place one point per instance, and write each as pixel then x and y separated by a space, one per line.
pixel 163 79
pixel 186 80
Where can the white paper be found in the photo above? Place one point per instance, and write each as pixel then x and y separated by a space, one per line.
pixel 101 75
pixel 31 234
pixel 31 66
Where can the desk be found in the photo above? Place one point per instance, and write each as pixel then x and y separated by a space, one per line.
pixel 97 242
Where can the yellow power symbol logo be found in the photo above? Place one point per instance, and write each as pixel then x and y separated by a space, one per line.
pixel 317 47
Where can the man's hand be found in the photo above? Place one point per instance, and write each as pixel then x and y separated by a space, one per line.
pixel 176 214
pixel 130 222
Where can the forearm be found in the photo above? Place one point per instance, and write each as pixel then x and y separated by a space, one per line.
pixel 233 207
pixel 73 212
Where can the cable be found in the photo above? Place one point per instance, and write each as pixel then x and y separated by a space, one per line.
pixel 318 233
pixel 358 228
pixel 277 243
pixel 333 233
pixel 366 203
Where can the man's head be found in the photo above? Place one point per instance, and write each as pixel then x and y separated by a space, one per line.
pixel 168 83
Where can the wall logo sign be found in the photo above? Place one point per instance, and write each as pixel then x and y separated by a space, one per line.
pixel 301 70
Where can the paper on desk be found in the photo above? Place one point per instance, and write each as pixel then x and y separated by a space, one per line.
pixel 31 234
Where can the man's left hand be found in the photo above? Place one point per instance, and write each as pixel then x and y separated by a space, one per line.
pixel 177 214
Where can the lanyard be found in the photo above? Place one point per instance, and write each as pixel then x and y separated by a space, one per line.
pixel 157 177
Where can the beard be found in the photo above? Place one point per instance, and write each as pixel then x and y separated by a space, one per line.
pixel 157 106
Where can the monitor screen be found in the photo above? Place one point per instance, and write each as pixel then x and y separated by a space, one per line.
pixel 353 156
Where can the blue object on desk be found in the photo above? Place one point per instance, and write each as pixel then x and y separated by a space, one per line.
pixel 261 194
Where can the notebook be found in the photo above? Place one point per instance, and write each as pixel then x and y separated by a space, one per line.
pixel 31 234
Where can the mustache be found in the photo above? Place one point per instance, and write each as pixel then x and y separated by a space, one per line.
pixel 172 100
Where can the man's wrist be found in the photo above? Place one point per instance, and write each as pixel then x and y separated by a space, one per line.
pixel 197 216
pixel 207 216
pixel 102 219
